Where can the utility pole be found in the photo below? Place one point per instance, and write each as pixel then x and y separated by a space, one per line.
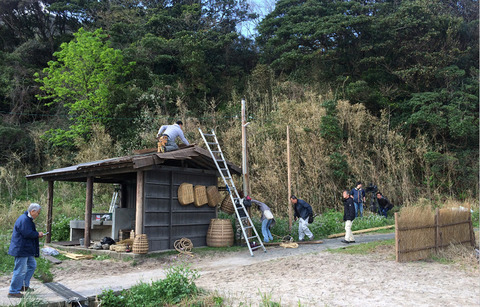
pixel 289 180
pixel 246 181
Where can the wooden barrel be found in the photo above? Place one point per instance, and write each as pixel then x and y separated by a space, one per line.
pixel 140 244
pixel 227 205
pixel 220 233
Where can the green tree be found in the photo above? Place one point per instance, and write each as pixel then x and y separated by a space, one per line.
pixel 82 80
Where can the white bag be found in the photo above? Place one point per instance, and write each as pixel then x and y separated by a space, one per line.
pixel 268 214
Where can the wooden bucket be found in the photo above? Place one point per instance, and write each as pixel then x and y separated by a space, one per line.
pixel 213 196
pixel 185 194
pixel 227 205
pixel 140 244
pixel 220 233
pixel 200 192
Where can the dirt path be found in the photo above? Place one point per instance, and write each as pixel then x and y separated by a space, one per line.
pixel 308 275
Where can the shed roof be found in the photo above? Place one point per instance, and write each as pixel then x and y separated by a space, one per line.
pixel 121 168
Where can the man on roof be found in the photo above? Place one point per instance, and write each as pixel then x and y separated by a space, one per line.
pixel 167 134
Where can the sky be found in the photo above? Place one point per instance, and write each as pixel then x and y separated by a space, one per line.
pixel 262 8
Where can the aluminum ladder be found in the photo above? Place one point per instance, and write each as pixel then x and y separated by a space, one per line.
pixel 240 210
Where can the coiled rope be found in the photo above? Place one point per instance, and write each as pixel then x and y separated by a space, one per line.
pixel 184 246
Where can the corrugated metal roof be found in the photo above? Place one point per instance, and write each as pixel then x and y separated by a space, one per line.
pixel 195 157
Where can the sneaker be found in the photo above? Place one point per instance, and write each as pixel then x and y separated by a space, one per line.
pixel 345 241
pixel 351 241
pixel 311 238
pixel 301 240
pixel 27 289
pixel 15 295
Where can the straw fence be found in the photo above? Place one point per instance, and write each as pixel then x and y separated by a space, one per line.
pixel 421 231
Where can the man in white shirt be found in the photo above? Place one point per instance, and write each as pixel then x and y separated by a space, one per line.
pixel 171 132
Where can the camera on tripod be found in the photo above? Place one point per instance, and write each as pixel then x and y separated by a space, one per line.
pixel 372 188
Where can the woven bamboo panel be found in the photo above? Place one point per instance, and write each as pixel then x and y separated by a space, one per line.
pixel 200 193
pixel 227 205
pixel 185 194
pixel 140 244
pixel 220 233
pixel 214 197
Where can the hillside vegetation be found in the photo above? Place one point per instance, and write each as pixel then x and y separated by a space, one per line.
pixel 384 92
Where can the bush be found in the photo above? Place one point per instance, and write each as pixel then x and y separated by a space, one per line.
pixel 179 284
pixel 61 228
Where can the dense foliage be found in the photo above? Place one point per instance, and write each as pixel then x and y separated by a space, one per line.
pixel 69 69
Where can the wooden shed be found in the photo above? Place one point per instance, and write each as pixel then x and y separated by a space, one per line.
pixel 148 184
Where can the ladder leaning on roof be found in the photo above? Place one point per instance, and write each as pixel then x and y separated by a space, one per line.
pixel 240 211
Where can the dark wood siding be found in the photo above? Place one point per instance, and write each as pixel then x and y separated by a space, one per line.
pixel 165 220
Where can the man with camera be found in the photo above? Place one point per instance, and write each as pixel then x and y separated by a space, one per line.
pixel 383 204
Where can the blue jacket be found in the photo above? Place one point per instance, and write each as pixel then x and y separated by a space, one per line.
pixel 24 241
pixel 302 209
pixel 358 195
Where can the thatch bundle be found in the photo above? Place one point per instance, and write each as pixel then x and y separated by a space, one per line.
pixel 415 233
pixel 453 225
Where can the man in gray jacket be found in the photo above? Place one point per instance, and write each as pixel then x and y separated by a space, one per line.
pixel 170 133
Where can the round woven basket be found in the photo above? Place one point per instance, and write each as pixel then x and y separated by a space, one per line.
pixel 200 193
pixel 140 244
pixel 220 233
pixel 227 205
pixel 185 194
pixel 213 196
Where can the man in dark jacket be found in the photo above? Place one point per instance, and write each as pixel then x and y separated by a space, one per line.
pixel 24 247
pixel 383 204
pixel 348 216
pixel 302 211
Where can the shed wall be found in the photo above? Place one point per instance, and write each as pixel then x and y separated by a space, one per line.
pixel 165 220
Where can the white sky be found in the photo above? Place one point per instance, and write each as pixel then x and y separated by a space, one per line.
pixel 262 8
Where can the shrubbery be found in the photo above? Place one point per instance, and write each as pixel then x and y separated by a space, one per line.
pixel 179 284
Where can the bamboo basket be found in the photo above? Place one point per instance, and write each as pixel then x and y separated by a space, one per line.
pixel 227 205
pixel 140 244
pixel 200 193
pixel 213 196
pixel 220 233
pixel 185 194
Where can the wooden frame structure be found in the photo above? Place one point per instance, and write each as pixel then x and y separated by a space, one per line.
pixel 149 182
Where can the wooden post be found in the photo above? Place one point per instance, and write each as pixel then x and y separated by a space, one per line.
pixel 397 239
pixel 472 233
pixel 246 182
pixel 49 211
pixel 438 239
pixel 289 184
pixel 88 211
pixel 139 204
pixel 436 229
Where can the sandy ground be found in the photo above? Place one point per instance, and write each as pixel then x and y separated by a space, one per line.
pixel 309 275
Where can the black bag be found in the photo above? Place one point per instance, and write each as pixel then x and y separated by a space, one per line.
pixel 310 218
pixel 107 240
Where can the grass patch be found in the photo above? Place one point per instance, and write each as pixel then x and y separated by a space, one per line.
pixel 178 285
pixel 362 249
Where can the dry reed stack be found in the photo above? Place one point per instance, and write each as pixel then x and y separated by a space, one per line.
pixel 414 233
pixel 420 231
